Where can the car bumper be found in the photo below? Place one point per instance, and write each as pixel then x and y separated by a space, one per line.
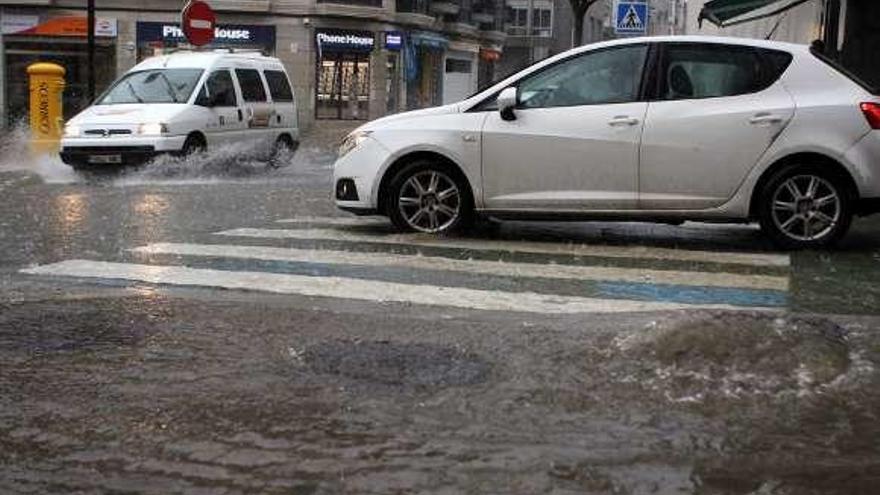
pixel 85 151
pixel 356 177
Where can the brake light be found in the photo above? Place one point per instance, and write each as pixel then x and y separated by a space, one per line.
pixel 872 113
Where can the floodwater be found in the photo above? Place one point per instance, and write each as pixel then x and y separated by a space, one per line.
pixel 120 387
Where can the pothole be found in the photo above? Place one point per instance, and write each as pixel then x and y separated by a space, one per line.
pixel 394 363
pixel 735 355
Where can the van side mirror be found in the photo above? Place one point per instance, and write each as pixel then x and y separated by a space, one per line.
pixel 507 101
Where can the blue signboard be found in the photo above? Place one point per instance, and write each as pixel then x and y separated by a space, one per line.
pixel 393 40
pixel 225 35
pixel 631 17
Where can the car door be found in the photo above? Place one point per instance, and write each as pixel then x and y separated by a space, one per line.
pixel 717 109
pixel 573 144
pixel 257 109
pixel 284 112
pixel 225 121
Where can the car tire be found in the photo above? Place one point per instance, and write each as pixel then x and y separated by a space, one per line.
pixel 430 197
pixel 805 207
pixel 193 145
pixel 284 147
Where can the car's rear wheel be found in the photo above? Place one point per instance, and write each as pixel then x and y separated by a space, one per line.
pixel 282 151
pixel 804 207
pixel 429 197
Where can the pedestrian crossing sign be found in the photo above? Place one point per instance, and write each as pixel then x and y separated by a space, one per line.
pixel 631 17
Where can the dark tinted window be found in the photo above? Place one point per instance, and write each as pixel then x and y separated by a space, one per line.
pixel 710 71
pixel 219 85
pixel 458 65
pixel 600 77
pixel 279 87
pixel 775 63
pixel 251 85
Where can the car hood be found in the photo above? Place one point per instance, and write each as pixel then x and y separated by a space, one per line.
pixel 128 114
pixel 411 115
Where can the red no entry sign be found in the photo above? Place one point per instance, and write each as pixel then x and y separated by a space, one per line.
pixel 198 22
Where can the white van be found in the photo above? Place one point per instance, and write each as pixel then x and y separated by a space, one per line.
pixel 184 103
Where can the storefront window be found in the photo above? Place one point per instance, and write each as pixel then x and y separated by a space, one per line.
pixel 343 74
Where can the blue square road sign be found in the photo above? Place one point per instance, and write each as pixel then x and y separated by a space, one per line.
pixel 631 17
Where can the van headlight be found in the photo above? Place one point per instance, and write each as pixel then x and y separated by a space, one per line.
pixel 152 129
pixel 71 130
pixel 352 141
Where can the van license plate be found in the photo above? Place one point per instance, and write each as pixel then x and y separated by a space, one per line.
pixel 105 159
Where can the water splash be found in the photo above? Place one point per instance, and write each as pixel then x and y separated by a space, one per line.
pixel 16 156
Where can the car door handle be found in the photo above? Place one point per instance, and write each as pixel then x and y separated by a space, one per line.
pixel 765 118
pixel 621 120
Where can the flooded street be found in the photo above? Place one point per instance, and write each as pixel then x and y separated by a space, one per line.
pixel 213 325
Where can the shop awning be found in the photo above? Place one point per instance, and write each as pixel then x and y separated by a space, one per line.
pixel 725 13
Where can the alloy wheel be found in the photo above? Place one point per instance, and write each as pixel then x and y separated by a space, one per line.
pixel 806 207
pixel 429 201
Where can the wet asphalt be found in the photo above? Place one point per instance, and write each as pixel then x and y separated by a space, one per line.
pixel 125 387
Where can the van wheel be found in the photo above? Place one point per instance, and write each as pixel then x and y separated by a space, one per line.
pixel 805 207
pixel 430 197
pixel 193 144
pixel 282 151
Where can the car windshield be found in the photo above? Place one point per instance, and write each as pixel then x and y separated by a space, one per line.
pixel 153 86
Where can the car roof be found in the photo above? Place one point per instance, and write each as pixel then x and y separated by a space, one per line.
pixel 203 60
pixel 727 40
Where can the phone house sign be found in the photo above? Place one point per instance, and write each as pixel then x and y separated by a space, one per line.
pixel 220 33
pixel 169 33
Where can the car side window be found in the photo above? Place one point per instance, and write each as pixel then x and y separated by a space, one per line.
pixel 251 83
pixel 695 70
pixel 279 86
pixel 219 86
pixel 606 76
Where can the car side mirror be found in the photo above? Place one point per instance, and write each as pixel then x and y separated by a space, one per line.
pixel 507 101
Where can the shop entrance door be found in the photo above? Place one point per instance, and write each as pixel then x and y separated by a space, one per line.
pixel 343 86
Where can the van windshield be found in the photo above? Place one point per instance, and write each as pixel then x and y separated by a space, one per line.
pixel 153 86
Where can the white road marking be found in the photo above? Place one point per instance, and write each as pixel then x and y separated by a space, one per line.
pixel 350 288
pixel 751 259
pixel 340 221
pixel 550 271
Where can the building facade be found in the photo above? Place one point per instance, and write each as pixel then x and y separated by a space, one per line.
pixel 347 59
pixel 537 29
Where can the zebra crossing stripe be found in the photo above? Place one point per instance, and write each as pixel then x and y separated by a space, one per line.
pixel 358 289
pixel 532 270
pixel 339 221
pixel 750 259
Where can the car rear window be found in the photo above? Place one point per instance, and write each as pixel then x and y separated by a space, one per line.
pixel 279 86
pixel 252 89
pixel 775 64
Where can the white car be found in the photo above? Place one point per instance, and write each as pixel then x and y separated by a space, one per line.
pixel 183 103
pixel 650 129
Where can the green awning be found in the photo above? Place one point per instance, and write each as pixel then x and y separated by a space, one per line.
pixel 727 12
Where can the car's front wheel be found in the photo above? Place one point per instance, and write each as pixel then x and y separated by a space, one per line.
pixel 429 197
pixel 805 207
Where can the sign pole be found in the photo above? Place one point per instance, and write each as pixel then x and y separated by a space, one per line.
pixel 91 56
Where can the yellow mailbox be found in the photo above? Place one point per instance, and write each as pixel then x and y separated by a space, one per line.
pixel 46 114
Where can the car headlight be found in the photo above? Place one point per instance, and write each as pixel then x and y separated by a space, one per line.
pixel 71 130
pixel 352 141
pixel 152 129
